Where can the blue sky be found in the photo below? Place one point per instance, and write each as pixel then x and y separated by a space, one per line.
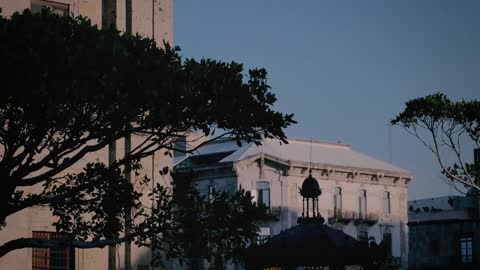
pixel 345 68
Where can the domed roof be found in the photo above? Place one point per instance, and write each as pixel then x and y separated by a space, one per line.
pixel 310 187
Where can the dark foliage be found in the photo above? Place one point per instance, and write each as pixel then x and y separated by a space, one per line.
pixel 444 126
pixel 69 89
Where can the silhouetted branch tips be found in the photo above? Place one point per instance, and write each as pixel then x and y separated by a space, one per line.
pixel 442 125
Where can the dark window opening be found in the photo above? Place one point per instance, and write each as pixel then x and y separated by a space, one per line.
pixel 363 235
pixel 211 193
pixel 337 202
pixel 386 202
pixel 59 258
pixel 263 194
pixel 362 204
pixel 387 242
pixel 466 254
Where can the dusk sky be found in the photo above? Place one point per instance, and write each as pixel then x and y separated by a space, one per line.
pixel 345 68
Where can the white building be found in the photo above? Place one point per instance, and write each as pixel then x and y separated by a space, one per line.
pixel 362 196
pixel 153 19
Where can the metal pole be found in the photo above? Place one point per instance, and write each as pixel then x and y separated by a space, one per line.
pixel 128 148
pixel 112 254
pixel 128 217
pixel 109 18
pixel 307 208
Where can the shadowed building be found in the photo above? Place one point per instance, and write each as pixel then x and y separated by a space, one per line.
pixel 444 232
pixel 361 196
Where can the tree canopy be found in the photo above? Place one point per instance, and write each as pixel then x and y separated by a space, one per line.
pixel 216 230
pixel 70 89
pixel 444 126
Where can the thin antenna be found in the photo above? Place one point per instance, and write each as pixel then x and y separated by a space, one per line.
pixel 311 142
pixel 262 161
pixel 390 158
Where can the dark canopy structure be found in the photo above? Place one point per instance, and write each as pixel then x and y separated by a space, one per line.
pixel 313 244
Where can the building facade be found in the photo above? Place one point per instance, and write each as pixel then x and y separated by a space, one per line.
pixel 362 196
pixel 148 18
pixel 444 232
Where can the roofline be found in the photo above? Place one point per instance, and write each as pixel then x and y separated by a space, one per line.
pixel 435 198
pixel 319 142
pixel 301 140
pixel 322 166
pixel 442 221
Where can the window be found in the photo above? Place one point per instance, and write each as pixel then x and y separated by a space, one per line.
pixel 263 194
pixel 476 156
pixel 52 258
pixel 337 202
pixel 56 8
pixel 264 235
pixel 362 203
pixel 386 202
pixel 387 241
pixel 362 235
pixel 466 249
pixel 211 193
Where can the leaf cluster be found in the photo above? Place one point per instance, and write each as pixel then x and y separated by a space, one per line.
pixel 447 125
pixel 214 231
pixel 70 89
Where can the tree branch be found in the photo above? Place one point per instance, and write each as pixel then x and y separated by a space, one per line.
pixel 50 243
pixel 64 165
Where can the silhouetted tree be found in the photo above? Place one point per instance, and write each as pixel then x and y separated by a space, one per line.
pixel 70 89
pixel 443 126
pixel 215 231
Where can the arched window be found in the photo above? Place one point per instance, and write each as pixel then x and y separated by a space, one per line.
pixel 263 194
pixel 386 202
pixel 337 202
pixel 362 204
pixel 211 193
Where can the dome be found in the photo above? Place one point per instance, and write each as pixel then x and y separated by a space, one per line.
pixel 310 187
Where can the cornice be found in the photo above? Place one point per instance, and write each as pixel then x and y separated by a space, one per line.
pixel 321 171
pixel 353 175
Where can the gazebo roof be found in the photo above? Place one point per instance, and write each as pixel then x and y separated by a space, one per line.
pixel 312 245
pixel 310 187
